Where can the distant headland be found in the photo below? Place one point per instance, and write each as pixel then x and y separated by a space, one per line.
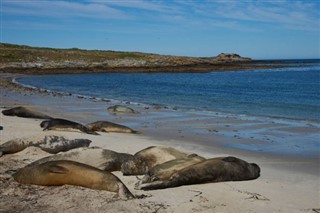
pixel 40 60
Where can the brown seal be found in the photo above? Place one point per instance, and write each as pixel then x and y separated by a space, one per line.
pixel 148 158
pixel 65 125
pixel 165 170
pixel 50 143
pixel 208 171
pixel 119 109
pixel 24 113
pixel 57 173
pixel 103 159
pixel 106 126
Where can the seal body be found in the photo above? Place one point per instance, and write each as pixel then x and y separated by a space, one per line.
pixel 103 159
pixel 165 170
pixel 50 143
pixel 65 125
pixel 24 113
pixel 211 170
pixel 57 173
pixel 119 109
pixel 148 158
pixel 106 126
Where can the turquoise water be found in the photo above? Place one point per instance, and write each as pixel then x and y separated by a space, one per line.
pixel 292 92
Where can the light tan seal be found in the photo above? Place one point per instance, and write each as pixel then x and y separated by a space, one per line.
pixel 150 157
pixel 106 126
pixel 103 159
pixel 208 171
pixel 50 143
pixel 165 170
pixel 120 109
pixel 57 173
pixel 24 113
pixel 65 125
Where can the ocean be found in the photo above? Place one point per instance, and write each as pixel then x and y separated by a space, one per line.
pixel 290 93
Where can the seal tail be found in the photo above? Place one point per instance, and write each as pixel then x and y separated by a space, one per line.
pixel 124 192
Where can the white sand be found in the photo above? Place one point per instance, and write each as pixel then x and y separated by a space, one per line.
pixel 279 189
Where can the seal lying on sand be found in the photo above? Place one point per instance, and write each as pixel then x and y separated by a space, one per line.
pixel 106 126
pixel 1 127
pixel 52 144
pixel 148 158
pixel 65 125
pixel 165 170
pixel 208 171
pixel 119 109
pixel 57 173
pixel 104 159
pixel 24 113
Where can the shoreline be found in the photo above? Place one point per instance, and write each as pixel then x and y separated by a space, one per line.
pixel 214 129
pixel 287 183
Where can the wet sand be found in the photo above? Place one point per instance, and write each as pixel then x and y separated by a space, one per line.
pixel 290 169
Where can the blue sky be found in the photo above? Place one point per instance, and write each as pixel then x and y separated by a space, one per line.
pixel 256 29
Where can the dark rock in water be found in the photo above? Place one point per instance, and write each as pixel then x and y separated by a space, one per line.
pixel 24 113
pixel 119 109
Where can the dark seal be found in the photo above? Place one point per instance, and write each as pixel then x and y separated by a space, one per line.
pixel 24 113
pixel 65 125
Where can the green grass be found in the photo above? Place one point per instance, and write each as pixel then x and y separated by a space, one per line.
pixel 23 53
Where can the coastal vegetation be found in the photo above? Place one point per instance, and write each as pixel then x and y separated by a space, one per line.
pixel 42 60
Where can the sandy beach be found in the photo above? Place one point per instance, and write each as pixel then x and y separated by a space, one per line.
pixel 288 182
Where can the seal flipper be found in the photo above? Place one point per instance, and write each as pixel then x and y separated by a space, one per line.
pixel 58 169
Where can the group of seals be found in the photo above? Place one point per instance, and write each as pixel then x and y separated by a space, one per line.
pixel 57 173
pixel 67 125
pixel 150 157
pixel 208 171
pixel 50 143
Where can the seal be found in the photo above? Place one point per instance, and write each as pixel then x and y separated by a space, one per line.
pixel 119 109
pixel 150 157
pixel 103 159
pixel 24 113
pixel 50 143
pixel 58 173
pixel 165 170
pixel 65 125
pixel 106 126
pixel 1 127
pixel 208 171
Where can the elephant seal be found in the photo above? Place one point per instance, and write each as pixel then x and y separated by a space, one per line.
pixel 148 158
pixel 106 126
pixel 24 113
pixel 103 159
pixel 63 172
pixel 51 144
pixel 165 170
pixel 65 125
pixel 119 109
pixel 208 171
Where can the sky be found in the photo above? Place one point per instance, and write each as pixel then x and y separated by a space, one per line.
pixel 265 29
